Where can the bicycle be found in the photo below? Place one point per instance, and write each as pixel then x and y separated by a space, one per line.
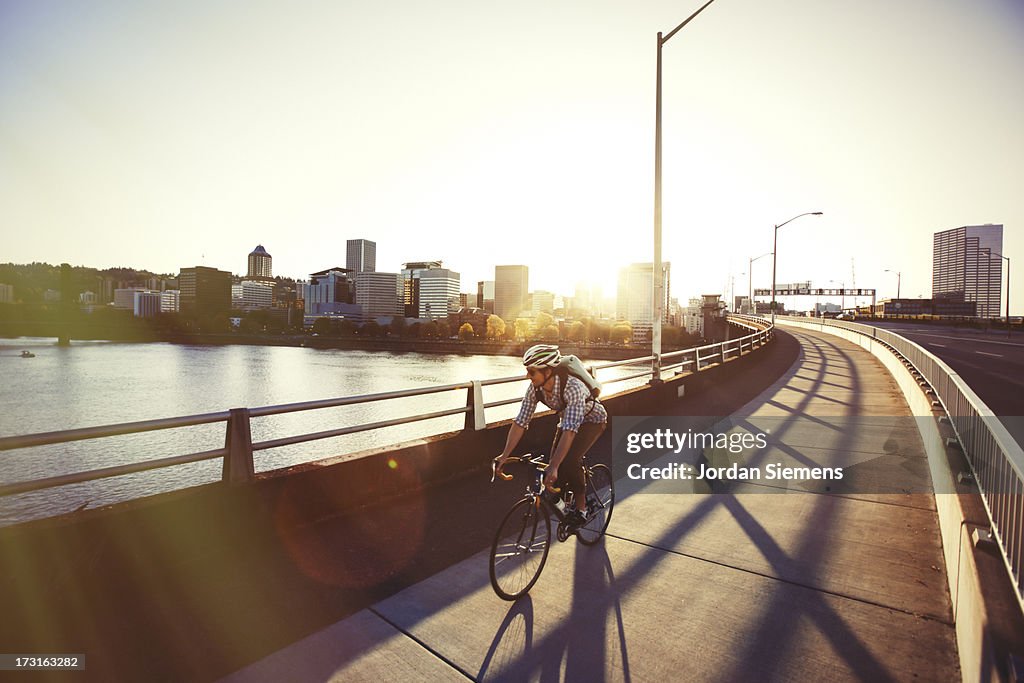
pixel 521 544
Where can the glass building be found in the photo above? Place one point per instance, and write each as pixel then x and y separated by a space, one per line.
pixel 966 267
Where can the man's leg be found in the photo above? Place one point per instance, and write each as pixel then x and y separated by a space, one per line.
pixel 571 469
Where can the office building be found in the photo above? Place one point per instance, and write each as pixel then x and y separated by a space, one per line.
pixel 485 295
pixel 361 256
pixel 635 300
pixel 331 292
pixel 146 304
pixel 430 291
pixel 249 295
pixel 542 302
pixel 170 301
pixel 204 291
pixel 125 297
pixel 379 294
pixel 966 267
pixel 511 290
pixel 6 294
pixel 260 265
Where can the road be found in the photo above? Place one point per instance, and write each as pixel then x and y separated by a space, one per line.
pixel 990 363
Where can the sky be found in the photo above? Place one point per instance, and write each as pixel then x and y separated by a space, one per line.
pixel 162 135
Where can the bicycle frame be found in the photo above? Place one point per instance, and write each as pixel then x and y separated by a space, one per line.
pixel 538 490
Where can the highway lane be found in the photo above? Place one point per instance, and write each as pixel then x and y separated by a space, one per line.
pixel 990 363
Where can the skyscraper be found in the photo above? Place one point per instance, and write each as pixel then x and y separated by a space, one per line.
pixel 635 300
pixel 260 264
pixel 204 291
pixel 380 294
pixel 965 266
pixel 361 256
pixel 331 291
pixel 430 291
pixel 511 286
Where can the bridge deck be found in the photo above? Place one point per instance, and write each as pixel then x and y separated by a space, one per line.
pixel 727 586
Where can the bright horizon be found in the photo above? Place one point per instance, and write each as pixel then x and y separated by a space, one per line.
pixel 184 134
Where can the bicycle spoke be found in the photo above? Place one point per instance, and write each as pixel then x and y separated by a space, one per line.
pixel 519 549
pixel 600 500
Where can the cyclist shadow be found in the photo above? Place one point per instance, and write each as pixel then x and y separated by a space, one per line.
pixel 575 648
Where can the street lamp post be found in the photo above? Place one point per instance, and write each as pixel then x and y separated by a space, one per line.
pixel 899 275
pixel 656 274
pixel 1007 259
pixel 750 280
pixel 775 250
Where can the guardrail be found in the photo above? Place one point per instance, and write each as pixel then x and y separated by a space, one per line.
pixel 239 448
pixel 995 457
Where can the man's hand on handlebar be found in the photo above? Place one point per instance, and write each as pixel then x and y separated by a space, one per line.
pixel 550 477
pixel 496 466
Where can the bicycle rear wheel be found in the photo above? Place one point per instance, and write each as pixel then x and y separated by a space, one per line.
pixel 520 549
pixel 600 501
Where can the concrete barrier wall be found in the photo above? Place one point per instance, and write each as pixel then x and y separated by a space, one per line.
pixel 201 518
pixel 989 626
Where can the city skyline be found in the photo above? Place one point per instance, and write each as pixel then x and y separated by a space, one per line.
pixel 166 136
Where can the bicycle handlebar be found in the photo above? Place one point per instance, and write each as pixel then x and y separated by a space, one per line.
pixel 536 461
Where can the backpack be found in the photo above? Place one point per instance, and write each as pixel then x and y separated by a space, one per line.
pixel 571 365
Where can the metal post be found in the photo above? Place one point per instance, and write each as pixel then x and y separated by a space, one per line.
pixel 656 281
pixel 775 245
pixel 775 249
pixel 238 465
pixel 657 276
pixel 475 419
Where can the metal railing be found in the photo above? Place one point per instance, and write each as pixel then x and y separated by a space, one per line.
pixel 238 450
pixel 994 456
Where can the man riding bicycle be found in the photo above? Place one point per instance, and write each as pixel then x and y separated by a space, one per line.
pixel 583 419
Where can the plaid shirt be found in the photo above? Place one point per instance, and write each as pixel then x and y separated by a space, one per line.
pixel 579 407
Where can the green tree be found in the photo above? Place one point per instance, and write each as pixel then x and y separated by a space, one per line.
pixel 429 330
pixel 549 333
pixel 371 329
pixel 542 321
pixel 347 328
pixel 397 326
pixel 495 327
pixel 444 330
pixel 321 326
pixel 466 332
pixel 577 332
pixel 621 333
pixel 600 331
pixel 522 328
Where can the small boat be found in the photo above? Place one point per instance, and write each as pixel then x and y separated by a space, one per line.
pixel 27 354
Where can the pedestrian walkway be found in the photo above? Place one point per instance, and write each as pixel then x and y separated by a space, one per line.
pixel 801 584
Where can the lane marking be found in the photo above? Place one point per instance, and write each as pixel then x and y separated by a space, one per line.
pixel 941 346
pixel 971 339
pixel 994 355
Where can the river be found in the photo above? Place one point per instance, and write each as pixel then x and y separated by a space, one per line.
pixel 100 383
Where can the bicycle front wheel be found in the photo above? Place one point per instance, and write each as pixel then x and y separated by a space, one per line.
pixel 600 500
pixel 520 549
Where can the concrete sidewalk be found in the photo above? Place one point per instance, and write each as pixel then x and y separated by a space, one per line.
pixel 752 584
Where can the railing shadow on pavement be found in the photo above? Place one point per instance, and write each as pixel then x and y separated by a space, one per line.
pixel 764 650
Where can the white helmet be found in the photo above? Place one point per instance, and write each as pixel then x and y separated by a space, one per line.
pixel 542 356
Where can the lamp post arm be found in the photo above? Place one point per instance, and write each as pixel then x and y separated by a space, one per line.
pixel 809 213
pixel 685 22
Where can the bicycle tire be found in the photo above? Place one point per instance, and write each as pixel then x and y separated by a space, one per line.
pixel 520 549
pixel 600 503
